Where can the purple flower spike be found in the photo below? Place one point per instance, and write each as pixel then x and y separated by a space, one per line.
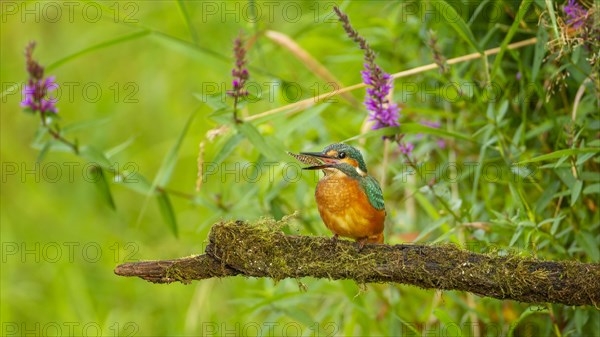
pixel 576 13
pixel 239 73
pixel 383 112
pixel 37 88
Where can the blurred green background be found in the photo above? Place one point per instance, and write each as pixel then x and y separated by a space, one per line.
pixel 131 73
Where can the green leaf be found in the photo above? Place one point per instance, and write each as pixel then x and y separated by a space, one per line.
pixel 215 101
pixel 270 151
pixel 115 150
pixel 516 236
pixel 166 209
pixel 415 128
pixel 576 191
pixel 581 317
pixel 306 118
pixel 228 148
pixel 430 228
pixel 447 321
pixel 502 109
pixel 538 130
pixel 540 52
pixel 559 154
pixel 102 185
pixel 95 156
pixel 134 181
pixel 44 151
pixel 300 316
pixel 168 165
pixel 583 158
pixel 84 125
pixel 456 21
pixel 592 189
pixel 426 204
pixel 511 32
pixel 589 244
pixel 547 195
pixel 528 312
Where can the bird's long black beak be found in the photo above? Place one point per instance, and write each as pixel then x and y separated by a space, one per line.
pixel 327 158
pixel 316 154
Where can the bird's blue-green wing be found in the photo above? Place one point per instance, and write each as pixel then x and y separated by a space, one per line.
pixel 373 191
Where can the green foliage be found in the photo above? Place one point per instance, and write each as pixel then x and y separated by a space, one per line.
pixel 518 170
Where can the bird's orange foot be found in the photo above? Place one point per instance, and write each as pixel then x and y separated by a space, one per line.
pixel 334 239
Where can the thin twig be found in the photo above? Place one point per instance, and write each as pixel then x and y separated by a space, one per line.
pixel 306 103
pixel 308 60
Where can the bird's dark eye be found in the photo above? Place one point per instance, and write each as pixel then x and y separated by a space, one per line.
pixel 342 155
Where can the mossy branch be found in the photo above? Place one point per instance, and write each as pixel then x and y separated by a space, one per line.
pixel 237 248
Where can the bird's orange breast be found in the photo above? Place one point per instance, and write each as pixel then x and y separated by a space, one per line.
pixel 346 210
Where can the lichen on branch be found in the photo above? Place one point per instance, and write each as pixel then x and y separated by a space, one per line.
pixel 252 250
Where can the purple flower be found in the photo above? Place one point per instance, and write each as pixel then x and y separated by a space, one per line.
pixel 406 148
pixel 577 15
pixel 381 110
pixel 430 124
pixel 239 73
pixel 435 125
pixel 518 76
pixel 37 88
pixel 441 143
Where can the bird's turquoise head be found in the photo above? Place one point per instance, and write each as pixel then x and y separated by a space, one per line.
pixel 340 156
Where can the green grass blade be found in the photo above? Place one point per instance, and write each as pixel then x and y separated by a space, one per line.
pixel 167 212
pixel 511 32
pixel 550 8
pixel 270 150
pixel 166 170
pixel 188 21
pixel 86 124
pixel 457 22
pixel 411 128
pixel 99 46
pixel 560 154
pixel 540 52
pixel 168 165
pixel 228 148
pixel 187 48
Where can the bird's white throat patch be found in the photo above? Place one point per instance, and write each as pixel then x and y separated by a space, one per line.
pixel 360 172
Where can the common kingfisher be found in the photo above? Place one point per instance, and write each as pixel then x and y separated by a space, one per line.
pixel 350 201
